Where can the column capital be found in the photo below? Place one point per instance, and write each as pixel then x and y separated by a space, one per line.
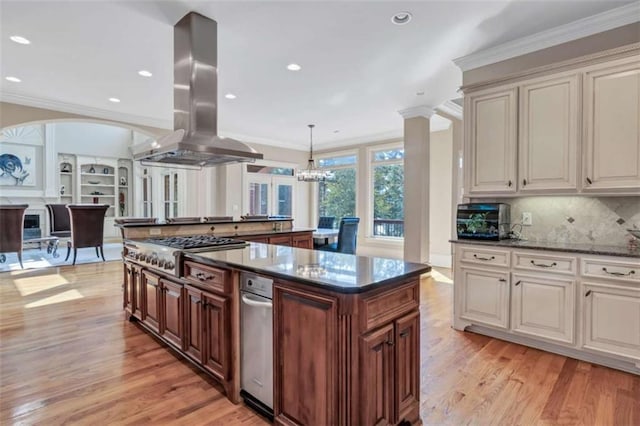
pixel 417 111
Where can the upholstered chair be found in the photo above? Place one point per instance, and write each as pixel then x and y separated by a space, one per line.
pixel 347 237
pixel 87 228
pixel 12 229
pixel 59 220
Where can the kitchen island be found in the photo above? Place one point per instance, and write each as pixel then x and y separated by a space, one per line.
pixel 345 328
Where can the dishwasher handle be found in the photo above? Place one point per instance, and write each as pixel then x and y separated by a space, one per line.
pixel 247 299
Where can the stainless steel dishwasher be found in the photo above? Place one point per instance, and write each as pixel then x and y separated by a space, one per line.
pixel 256 322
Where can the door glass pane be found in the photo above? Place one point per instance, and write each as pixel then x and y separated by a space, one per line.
pixel 166 187
pixel 167 210
pixel 175 187
pixel 285 193
pixel 258 198
pixel 388 200
pixel 175 209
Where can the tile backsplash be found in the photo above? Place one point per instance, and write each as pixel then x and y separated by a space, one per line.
pixel 597 220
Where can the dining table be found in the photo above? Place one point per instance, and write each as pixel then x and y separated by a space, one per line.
pixel 325 234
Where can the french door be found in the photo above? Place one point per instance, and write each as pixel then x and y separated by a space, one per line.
pixel 270 195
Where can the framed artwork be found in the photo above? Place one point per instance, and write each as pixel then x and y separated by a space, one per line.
pixel 17 165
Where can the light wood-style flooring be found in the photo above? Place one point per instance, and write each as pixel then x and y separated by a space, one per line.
pixel 67 356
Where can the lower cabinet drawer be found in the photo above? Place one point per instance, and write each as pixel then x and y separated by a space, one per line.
pixel 384 307
pixel 486 257
pixel 539 262
pixel 207 277
pixel 611 269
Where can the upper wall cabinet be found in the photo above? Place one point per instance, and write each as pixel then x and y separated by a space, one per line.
pixel 612 127
pixel 492 133
pixel 575 131
pixel 549 128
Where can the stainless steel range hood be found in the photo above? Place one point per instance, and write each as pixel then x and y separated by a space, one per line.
pixel 195 140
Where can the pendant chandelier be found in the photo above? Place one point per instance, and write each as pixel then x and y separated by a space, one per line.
pixel 311 173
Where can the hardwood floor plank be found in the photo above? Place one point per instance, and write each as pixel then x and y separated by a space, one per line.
pixel 67 356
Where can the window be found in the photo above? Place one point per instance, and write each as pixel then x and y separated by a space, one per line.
pixel 147 199
pixel 337 197
pixel 387 170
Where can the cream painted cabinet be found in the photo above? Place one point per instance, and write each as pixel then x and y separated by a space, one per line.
pixel 491 141
pixel 612 127
pixel 549 118
pixel 485 296
pixel 612 319
pixel 543 307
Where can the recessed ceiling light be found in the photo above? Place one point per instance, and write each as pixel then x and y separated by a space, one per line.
pixel 420 93
pixel 294 67
pixel 114 100
pixel 19 39
pixel 230 96
pixel 401 18
pixel 336 131
pixel 145 73
pixel 14 79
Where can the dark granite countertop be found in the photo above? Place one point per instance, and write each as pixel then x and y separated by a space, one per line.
pixel 595 249
pixel 343 273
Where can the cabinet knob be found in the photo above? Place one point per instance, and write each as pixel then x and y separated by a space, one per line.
pixel 391 342
pixel 404 333
pixel 518 283
pixel 588 293
pixel 524 182
pixel 509 184
pixel 502 280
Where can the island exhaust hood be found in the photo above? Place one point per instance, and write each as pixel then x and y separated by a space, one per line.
pixel 195 140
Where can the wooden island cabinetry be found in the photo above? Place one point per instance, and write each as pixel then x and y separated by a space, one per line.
pixel 346 350
pixel 363 350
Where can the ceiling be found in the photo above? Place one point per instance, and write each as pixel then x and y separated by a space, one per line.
pixel 358 69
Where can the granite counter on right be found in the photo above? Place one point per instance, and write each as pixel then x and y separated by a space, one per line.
pixel 578 300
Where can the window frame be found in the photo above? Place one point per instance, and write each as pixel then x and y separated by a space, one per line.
pixel 274 179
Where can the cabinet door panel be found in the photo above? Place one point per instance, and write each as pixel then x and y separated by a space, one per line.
pixel 543 307
pixel 282 240
pixel 492 141
pixel 612 114
pixel 549 125
pixel 193 335
pixel 302 241
pixel 306 358
pixel 217 338
pixel 152 298
pixel 407 363
pixel 139 292
pixel 172 310
pixel 612 319
pixel 376 376
pixel 485 297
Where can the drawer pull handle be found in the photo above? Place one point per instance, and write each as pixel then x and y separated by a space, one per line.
pixel 543 265
pixel 518 283
pixel 391 342
pixel 404 333
pixel 502 280
pixel 484 258
pixel 509 184
pixel 588 293
pixel 619 274
pixel 203 277
pixel 589 181
pixel 524 182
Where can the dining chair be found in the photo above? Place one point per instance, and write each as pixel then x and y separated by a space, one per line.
pixel 347 237
pixel 87 228
pixel 326 222
pixel 59 220
pixel 12 229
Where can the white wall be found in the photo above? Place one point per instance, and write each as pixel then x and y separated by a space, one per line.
pixel 441 163
pixel 92 139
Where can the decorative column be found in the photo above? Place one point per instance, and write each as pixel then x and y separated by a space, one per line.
pixel 416 182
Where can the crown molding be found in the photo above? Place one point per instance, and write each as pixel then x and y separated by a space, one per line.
pixel 450 108
pixel 418 111
pixel 265 141
pixel 614 18
pixel 71 108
